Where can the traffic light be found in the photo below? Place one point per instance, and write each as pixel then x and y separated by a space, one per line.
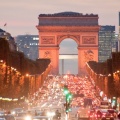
pixel 68 97
pixel 66 91
pixel 114 102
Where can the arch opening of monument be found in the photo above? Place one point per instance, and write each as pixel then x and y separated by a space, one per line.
pixel 54 28
pixel 68 57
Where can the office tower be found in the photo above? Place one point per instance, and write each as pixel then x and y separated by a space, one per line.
pixel 119 22
pixel 28 44
pixel 119 35
pixel 117 42
pixel 107 42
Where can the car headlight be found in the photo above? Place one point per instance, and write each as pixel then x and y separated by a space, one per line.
pixel 50 113
pixel 13 112
pixel 28 117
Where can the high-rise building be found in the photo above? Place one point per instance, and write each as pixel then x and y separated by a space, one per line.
pixel 28 44
pixel 117 42
pixel 119 35
pixel 107 42
pixel 119 22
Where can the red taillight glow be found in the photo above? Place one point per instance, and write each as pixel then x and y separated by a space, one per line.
pixel 98 115
pixel 91 116
pixel 103 115
pixel 111 115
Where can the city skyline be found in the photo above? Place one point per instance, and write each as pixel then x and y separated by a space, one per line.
pixel 21 17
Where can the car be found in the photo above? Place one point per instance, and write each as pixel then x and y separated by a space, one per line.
pixel 82 113
pixel 57 115
pixel 2 118
pixel 103 114
pixel 7 117
pixel 23 116
pixel 113 112
pixel 42 118
pixel 97 115
pixel 2 112
pixel 16 110
pixel 91 114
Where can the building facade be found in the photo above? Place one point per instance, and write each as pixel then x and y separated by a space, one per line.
pixel 107 42
pixel 28 44
pixel 11 40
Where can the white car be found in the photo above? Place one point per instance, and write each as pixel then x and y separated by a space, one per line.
pixel 16 110
pixel 42 118
pixel 23 116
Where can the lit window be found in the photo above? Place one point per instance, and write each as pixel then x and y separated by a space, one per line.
pixel 34 38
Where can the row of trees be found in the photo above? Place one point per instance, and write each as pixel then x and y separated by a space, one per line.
pixel 106 74
pixel 16 71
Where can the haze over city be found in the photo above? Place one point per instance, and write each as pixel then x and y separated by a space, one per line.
pixel 21 17
pixel 60 59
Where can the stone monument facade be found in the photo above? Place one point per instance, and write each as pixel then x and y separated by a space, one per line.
pixel 54 28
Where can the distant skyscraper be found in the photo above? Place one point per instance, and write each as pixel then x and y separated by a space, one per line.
pixel 28 44
pixel 117 42
pixel 119 22
pixel 107 42
pixel 119 35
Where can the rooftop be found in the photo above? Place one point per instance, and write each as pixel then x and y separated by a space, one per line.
pixel 68 14
pixel 1 30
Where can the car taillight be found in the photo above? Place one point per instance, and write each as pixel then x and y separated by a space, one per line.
pixel 103 115
pixel 98 115
pixel 111 115
pixel 91 115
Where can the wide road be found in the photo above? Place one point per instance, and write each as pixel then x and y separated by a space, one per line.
pixel 53 98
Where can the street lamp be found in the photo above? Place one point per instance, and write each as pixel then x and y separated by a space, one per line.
pixel 27 75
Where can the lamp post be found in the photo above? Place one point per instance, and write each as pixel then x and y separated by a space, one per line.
pixel 26 85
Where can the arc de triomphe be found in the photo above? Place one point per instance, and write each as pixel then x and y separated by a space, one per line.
pixel 83 29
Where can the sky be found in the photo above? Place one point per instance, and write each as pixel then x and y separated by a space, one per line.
pixel 21 17
pixel 68 46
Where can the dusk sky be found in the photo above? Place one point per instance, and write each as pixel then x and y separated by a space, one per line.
pixel 22 16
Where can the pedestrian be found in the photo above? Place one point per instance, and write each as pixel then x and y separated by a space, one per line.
pixel 36 113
